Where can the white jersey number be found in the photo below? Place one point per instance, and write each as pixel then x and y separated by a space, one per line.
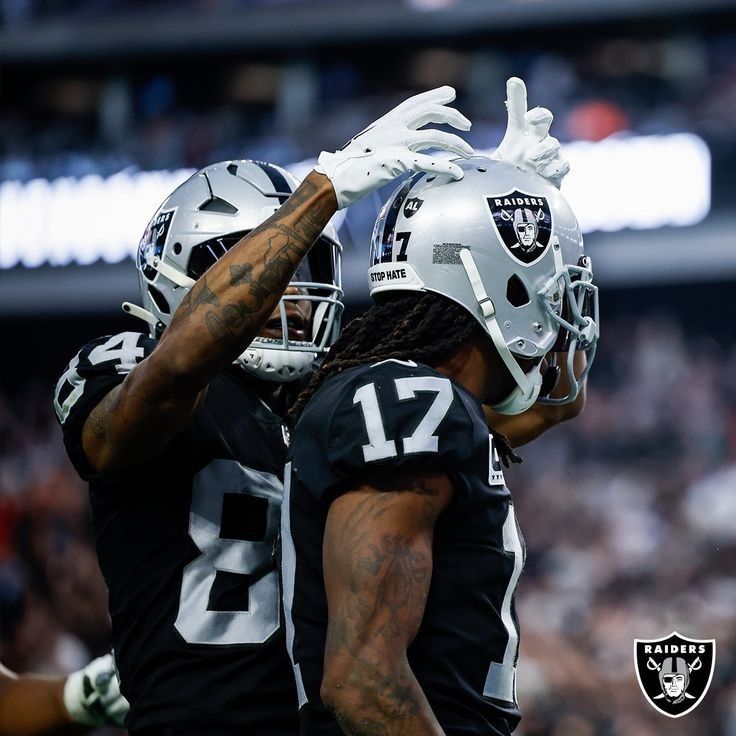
pixel 424 439
pixel 195 622
pixel 122 350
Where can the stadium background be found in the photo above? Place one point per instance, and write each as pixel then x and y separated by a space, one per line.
pixel 629 512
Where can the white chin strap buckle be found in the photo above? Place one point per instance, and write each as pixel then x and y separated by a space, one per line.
pixel 587 333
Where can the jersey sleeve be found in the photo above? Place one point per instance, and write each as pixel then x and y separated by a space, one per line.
pixel 369 422
pixel 94 371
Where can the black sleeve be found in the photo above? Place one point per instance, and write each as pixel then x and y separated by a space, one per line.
pixel 379 419
pixel 96 369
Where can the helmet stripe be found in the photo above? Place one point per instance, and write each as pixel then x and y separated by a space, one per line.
pixel 280 185
pixel 393 213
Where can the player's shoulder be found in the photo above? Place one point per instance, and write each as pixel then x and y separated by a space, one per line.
pixel 97 367
pixel 388 415
pixel 121 351
pixel 391 385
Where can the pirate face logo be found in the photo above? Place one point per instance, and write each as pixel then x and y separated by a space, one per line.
pixel 524 224
pixel 674 673
pixel 526 227
pixel 674 677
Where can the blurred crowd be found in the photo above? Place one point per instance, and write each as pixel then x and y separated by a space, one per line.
pixel 162 114
pixel 629 514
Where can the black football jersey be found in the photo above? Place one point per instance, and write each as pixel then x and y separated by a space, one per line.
pixel 376 419
pixel 185 542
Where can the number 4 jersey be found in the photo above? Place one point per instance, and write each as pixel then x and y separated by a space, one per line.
pixel 368 422
pixel 185 543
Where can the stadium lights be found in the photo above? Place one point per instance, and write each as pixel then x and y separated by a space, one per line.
pixel 636 182
pixel 640 183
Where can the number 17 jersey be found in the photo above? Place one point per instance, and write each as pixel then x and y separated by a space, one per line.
pixel 185 542
pixel 369 422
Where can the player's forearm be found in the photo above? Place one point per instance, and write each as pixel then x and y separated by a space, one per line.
pixel 562 412
pixel 381 696
pixel 520 429
pixel 230 303
pixel 31 705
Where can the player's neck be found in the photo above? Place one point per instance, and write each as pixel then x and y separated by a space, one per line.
pixel 468 366
pixel 273 394
pixel 476 366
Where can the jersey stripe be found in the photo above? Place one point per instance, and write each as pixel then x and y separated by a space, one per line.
pixel 288 574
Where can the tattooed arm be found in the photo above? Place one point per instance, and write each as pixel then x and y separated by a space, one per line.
pixel 377 556
pixel 216 321
pixel 527 426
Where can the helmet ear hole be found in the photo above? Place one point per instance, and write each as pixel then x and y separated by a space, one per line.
pixel 516 293
pixel 159 300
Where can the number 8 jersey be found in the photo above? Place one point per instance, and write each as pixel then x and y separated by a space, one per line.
pixel 185 542
pixel 365 423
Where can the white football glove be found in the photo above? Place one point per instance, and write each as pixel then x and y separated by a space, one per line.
pixel 388 148
pixel 92 695
pixel 527 143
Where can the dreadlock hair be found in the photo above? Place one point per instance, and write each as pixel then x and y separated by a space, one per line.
pixel 420 326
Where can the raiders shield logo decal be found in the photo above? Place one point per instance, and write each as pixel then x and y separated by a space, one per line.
pixel 524 224
pixel 153 242
pixel 674 672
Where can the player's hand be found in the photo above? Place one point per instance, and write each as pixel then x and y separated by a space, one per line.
pixel 388 147
pixel 92 695
pixel 527 143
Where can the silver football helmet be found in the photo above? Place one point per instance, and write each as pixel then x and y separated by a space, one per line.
pixel 505 245
pixel 199 222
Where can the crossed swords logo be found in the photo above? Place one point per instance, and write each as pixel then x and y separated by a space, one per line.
pixel 506 215
pixel 696 664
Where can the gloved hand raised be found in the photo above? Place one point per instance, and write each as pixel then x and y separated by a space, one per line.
pixel 527 143
pixel 389 147
pixel 92 695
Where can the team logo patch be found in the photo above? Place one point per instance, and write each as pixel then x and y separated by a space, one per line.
pixel 524 224
pixel 674 672
pixel 153 241
pixel 412 205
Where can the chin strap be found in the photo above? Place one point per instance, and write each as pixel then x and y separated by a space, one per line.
pixel 173 274
pixel 135 311
pixel 527 385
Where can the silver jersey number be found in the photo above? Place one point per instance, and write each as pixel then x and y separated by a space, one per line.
pixel 195 622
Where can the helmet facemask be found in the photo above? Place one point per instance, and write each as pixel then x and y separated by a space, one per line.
pixel 571 301
pixel 317 282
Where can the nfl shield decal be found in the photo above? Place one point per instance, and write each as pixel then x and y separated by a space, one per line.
pixel 523 222
pixel 674 672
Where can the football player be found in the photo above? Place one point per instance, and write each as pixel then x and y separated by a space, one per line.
pixel 400 546
pixel 33 705
pixel 179 432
